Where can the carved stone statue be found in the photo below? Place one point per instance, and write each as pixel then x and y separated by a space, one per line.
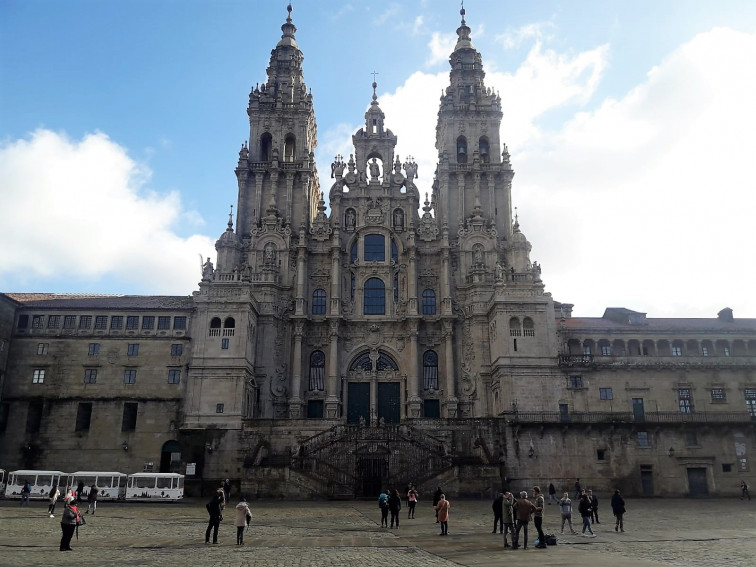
pixel 375 170
pixel 350 218
pixel 398 218
pixel 270 253
pixel 499 272
pixel 207 270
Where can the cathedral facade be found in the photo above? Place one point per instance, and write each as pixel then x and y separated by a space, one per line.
pixel 390 337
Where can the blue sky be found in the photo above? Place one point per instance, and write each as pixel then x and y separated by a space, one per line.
pixel 630 126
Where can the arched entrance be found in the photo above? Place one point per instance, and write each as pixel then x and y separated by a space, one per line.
pixel 170 457
pixel 373 389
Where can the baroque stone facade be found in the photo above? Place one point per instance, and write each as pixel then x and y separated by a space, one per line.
pixel 388 338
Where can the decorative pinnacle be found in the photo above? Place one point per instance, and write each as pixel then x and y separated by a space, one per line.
pixel 289 9
pixel 231 222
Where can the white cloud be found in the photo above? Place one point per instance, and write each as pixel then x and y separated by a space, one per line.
pixel 513 39
pixel 79 210
pixel 417 27
pixel 440 47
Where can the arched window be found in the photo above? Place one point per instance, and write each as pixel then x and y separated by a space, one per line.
pixel 353 253
pixel 317 370
pixel 485 156
pixel 362 362
pixel 461 150
pixel 429 302
pixel 290 143
pixel 430 370
pixel 215 323
pixel 528 328
pixel 229 323
pixel 266 146
pixel 375 248
pixel 319 302
pixel 394 251
pixel 385 362
pixel 375 297
pixel 514 327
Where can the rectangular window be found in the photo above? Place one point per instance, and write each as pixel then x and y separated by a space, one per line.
pixel 606 393
pixel 726 467
pixel 85 322
pixel 686 404
pixel 606 350
pixel 224 344
pixel 23 321
pixel 177 350
pixel 129 376
pixel 164 323
pixel 129 416
pixel 643 439
pixel 587 350
pixel 174 376
pixel 132 349
pixel 576 382
pixel 315 409
pixel 179 323
pixel 42 348
pixel 38 321
pixel 726 351
pixel 90 376
pixel 218 408
pixel 101 322
pixel 676 351
pixel 148 322
pixel 691 438
pixel 69 322
pixel 704 351
pixel 374 248
pixel 132 322
pixel 94 349
pixel 83 416
pixel 53 321
pixel 742 464
pixel 750 400
pixel 600 454
pixel 39 376
pixel 116 322
pixel 34 417
pixel 718 395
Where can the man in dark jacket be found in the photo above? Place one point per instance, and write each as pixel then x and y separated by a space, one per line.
pixel 498 510
pixel 215 509
pixel 594 507
pixel 524 508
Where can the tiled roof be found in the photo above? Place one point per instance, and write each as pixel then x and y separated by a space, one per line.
pixel 101 301
pixel 659 325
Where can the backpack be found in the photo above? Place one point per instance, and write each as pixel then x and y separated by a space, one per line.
pixel 382 501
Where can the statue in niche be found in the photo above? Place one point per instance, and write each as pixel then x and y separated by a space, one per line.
pixel 499 272
pixel 270 253
pixel 350 218
pixel 399 219
pixel 478 254
pixel 207 270
pixel 375 170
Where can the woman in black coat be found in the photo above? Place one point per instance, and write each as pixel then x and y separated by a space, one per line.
pixel 618 509
pixel 394 504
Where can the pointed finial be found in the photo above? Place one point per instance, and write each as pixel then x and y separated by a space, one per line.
pixel 462 12
pixel 230 221
pixel 289 9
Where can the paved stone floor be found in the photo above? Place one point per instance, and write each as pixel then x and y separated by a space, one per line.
pixel 348 534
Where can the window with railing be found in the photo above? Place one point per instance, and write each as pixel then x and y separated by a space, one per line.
pixel 750 401
pixel 575 382
pixel 685 401
pixel 317 371
pixel 718 395
pixel 430 370
pixel 606 393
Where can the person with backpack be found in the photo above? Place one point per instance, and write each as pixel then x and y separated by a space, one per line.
pixel 442 507
pixel 242 520
pixel 412 497
pixel 69 522
pixel 54 495
pixel 383 505
pixel 394 505
pixel 215 510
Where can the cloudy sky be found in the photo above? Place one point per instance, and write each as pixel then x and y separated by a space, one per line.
pixel 631 124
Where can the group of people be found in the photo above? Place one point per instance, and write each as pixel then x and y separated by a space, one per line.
pixel 389 502
pixel 215 508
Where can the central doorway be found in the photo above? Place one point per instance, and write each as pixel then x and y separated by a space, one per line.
pixel 388 402
pixel 358 404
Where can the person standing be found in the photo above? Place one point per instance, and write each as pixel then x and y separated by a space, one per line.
pixel 442 509
pixel 565 507
pixel 538 517
pixel 523 508
pixel 744 490
pixel 497 507
pixel 215 509
pixel 79 491
pixel 412 496
pixel 92 499
pixel 436 498
pixel 578 490
pixel 618 509
pixel 552 493
pixel 227 490
pixel 585 512
pixel 383 505
pixel 242 520
pixel 68 524
pixel 507 517
pixel 54 495
pixel 25 493
pixel 394 504
pixel 594 507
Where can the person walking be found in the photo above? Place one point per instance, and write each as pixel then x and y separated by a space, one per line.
pixel 565 507
pixel 497 507
pixel 25 493
pixel 578 490
pixel 412 497
pixel 585 512
pixel 54 495
pixel 594 507
pixel 92 499
pixel 215 510
pixel 227 491
pixel 242 520
pixel 383 505
pixel 524 508
pixel 552 494
pixel 744 490
pixel 394 504
pixel 68 522
pixel 436 498
pixel 442 509
pixel 538 517
pixel 618 509
pixel 79 491
pixel 507 517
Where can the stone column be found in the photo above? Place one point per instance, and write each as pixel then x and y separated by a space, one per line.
pixel 414 402
pixel 451 401
pixel 295 402
pixel 333 391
